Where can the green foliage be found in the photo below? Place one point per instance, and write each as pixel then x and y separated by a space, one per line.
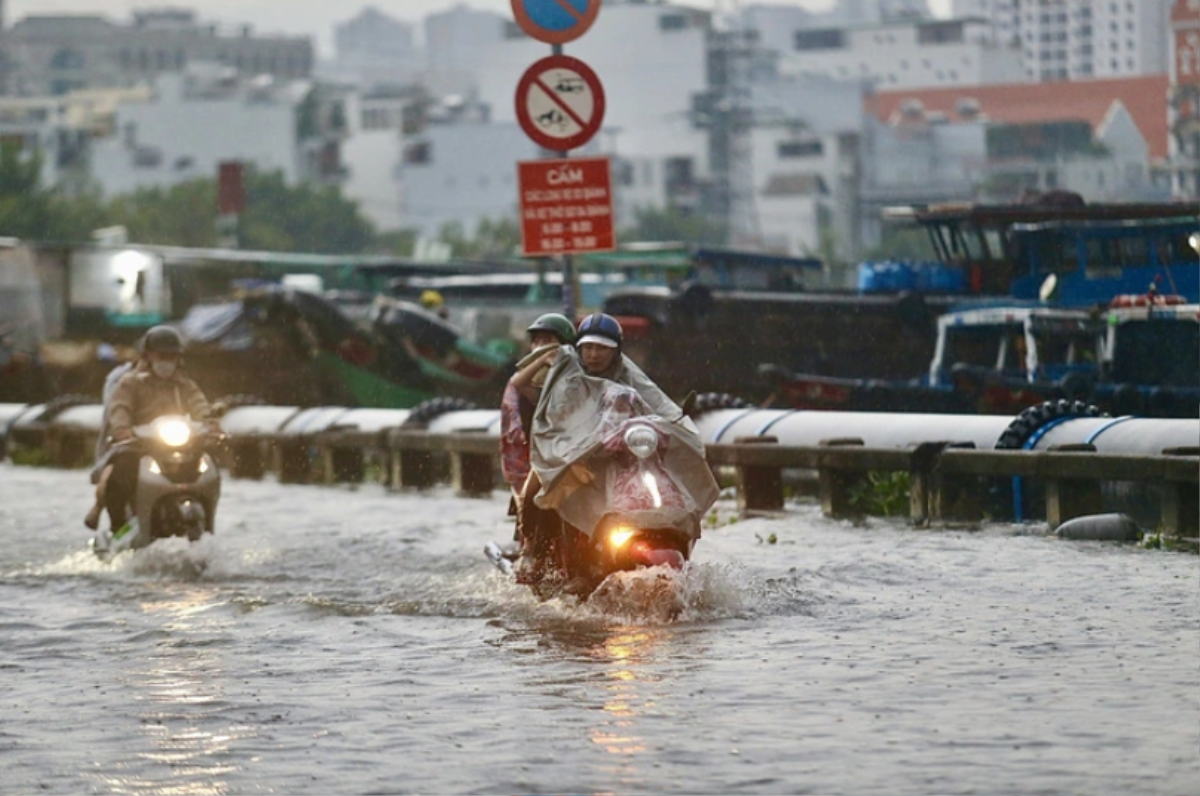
pixel 182 215
pixel 882 494
pixel 300 218
pixel 1160 541
pixel 31 457
pixel 495 239
pixel 399 242
pixel 305 218
pixel 24 204
pixel 671 224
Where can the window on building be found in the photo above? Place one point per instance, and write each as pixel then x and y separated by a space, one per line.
pixel 800 149
pixel 66 59
pixel 828 39
pixel 418 153
pixel 940 33
pixel 679 174
pixel 670 22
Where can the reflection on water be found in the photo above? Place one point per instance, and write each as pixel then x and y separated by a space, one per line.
pixel 182 688
pixel 623 651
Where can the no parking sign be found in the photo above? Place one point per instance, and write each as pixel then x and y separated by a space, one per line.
pixel 555 21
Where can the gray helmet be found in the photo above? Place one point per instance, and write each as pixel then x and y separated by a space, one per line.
pixel 162 340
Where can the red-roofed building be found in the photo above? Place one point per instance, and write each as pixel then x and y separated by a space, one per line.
pixel 1091 101
pixel 1105 139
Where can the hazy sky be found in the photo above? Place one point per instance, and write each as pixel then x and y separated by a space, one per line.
pixel 314 17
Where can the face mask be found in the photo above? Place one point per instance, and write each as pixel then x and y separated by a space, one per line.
pixel 164 370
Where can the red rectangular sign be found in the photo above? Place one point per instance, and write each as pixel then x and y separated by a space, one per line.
pixel 566 206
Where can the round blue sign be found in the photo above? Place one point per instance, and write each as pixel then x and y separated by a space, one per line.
pixel 555 21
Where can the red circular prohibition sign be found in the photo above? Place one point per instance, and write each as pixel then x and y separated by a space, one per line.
pixel 560 103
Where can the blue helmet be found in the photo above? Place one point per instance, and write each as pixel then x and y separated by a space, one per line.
pixel 600 328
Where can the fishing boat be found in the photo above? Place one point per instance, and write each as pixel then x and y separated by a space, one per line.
pixel 1136 357
pixel 289 346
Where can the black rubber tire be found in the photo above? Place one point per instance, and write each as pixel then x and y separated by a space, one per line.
pixel 1026 424
pixel 424 413
pixel 1127 400
pixel 56 406
pixel 1076 386
pixel 712 401
pixel 695 299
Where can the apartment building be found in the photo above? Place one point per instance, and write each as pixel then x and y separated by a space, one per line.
pixel 52 55
pixel 905 53
pixel 1079 39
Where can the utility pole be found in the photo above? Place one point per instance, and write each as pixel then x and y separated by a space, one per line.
pixel 727 112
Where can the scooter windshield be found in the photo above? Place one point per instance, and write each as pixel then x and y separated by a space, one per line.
pixel 588 468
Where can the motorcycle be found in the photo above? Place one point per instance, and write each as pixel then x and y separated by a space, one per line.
pixel 623 488
pixel 178 485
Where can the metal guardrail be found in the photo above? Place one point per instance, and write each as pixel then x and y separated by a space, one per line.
pixel 948 481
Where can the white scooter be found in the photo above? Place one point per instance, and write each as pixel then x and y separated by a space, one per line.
pixel 178 486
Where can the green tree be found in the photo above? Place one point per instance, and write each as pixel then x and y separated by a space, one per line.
pixel 398 242
pixel 659 225
pixel 305 217
pixel 181 215
pixel 278 217
pixel 496 239
pixel 25 207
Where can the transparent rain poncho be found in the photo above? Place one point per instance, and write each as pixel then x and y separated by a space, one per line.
pixel 587 470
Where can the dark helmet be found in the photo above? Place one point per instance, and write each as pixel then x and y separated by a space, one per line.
pixel 600 328
pixel 162 340
pixel 557 324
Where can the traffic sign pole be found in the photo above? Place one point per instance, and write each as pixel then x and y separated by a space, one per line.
pixel 559 100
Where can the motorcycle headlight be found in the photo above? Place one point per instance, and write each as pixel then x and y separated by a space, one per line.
pixel 619 536
pixel 642 441
pixel 174 433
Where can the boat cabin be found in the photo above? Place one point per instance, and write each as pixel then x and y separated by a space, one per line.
pixel 1097 250
pixel 1029 343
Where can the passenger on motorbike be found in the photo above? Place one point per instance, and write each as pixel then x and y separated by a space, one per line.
pixel 569 422
pixel 521 394
pixel 102 473
pixel 546 334
pixel 156 387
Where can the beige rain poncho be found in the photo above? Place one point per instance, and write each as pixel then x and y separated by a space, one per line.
pixel 571 424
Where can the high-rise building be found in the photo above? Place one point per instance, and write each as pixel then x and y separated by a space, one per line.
pixel 1079 39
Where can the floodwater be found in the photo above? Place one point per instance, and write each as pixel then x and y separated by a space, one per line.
pixel 341 640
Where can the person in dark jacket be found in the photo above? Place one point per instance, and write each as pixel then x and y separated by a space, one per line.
pixel 154 388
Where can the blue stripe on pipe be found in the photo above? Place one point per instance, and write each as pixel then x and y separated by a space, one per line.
pixel 724 428
pixel 1115 421
pixel 762 431
pixel 1034 438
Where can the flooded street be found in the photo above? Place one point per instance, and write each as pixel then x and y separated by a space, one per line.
pixel 350 640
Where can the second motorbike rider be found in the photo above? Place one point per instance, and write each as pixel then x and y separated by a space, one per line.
pixel 154 388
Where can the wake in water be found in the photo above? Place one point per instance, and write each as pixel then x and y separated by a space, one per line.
pixel 166 559
pixel 655 596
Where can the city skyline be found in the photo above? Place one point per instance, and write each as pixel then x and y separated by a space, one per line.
pixel 313 17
